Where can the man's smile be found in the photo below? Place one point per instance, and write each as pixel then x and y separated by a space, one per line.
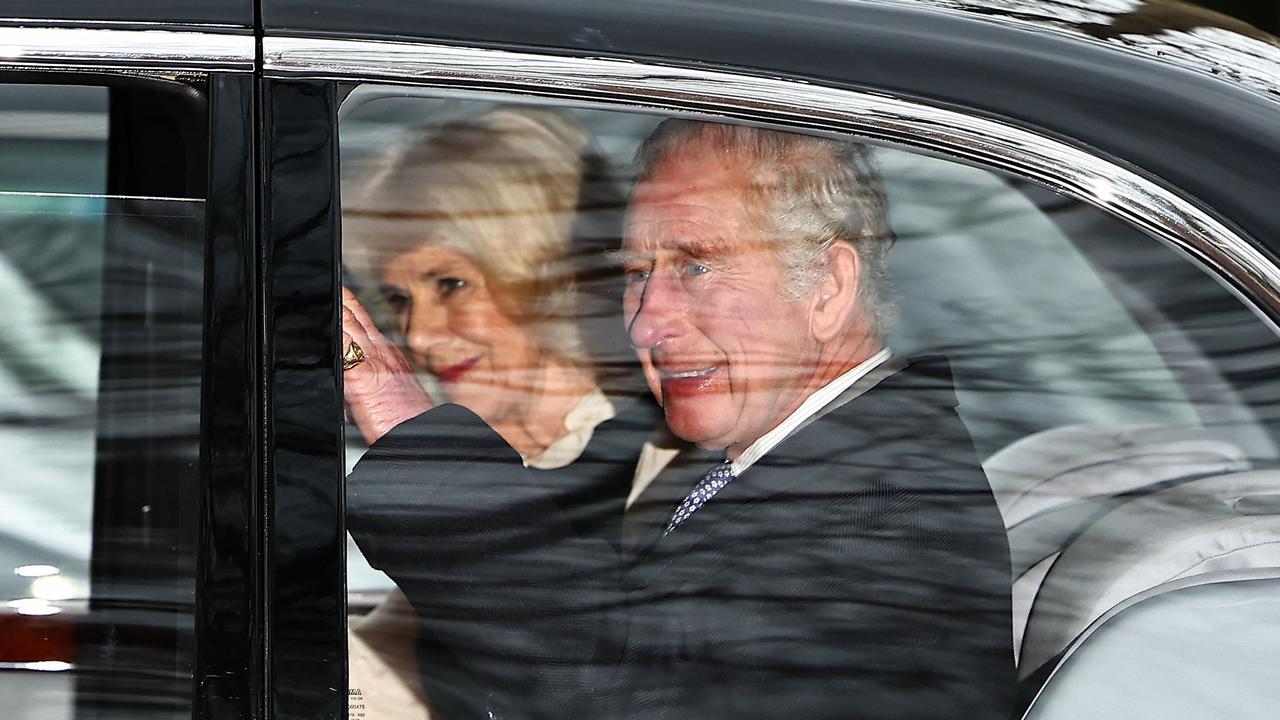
pixel 672 373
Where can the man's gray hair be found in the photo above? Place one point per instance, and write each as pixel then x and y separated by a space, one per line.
pixel 806 193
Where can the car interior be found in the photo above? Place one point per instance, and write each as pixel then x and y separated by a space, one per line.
pixel 1127 432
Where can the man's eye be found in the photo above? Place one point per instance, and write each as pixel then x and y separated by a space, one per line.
pixel 450 285
pixel 636 276
pixel 695 269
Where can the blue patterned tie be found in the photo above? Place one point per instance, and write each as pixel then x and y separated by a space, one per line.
pixel 707 487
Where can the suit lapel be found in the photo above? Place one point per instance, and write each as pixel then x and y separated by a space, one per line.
pixel 795 459
pixel 648 516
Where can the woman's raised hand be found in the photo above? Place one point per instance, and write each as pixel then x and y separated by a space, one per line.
pixel 380 387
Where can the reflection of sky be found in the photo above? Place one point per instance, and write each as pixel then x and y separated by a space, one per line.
pixel 48 385
pixel 51 285
pixel 1064 11
pixel 1249 62
pixel 1252 63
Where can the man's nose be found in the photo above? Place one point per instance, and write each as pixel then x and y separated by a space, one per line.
pixel 659 313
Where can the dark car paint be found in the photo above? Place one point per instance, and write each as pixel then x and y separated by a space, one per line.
pixel 167 12
pixel 230 616
pixel 304 446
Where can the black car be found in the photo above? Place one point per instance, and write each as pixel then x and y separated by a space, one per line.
pixel 1084 198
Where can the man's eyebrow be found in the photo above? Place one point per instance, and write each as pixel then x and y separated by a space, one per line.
pixel 696 249
pixel 622 258
pixel 702 250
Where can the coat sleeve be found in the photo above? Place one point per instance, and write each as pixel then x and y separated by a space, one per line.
pixel 513 603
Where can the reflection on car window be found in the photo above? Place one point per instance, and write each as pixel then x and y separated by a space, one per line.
pixel 729 420
pixel 99 421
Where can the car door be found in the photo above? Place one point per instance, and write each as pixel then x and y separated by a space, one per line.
pixel 1084 232
pixel 1104 286
pixel 130 535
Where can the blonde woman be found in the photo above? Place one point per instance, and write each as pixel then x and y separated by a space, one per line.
pixel 483 243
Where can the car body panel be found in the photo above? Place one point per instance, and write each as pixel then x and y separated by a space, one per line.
pixel 1186 98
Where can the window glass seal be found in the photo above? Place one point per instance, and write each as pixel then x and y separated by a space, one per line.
pixel 69 48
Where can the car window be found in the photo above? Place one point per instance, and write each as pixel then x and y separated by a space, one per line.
pixel 1089 366
pixel 100 360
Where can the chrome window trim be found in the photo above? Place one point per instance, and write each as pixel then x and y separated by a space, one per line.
pixel 98 48
pixel 1055 164
pixel 96 196
pixel 117 24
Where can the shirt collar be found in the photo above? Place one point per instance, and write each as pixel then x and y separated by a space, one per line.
pixel 811 405
pixel 579 425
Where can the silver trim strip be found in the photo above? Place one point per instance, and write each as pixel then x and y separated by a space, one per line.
pixel 1057 165
pixel 93 196
pixel 117 24
pixel 94 48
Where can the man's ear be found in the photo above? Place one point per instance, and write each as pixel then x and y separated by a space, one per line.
pixel 835 302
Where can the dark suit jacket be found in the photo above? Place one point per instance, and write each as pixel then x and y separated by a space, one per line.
pixel 859 570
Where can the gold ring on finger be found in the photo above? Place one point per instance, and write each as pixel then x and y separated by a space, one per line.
pixel 352 357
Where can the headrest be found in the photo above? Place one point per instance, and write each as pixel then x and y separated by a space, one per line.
pixel 1075 462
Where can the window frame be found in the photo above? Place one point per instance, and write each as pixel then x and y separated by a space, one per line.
pixel 329 65
pixel 1116 188
pixel 230 610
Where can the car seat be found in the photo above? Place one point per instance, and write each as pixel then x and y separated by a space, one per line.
pixel 1212 524
pixel 1203 647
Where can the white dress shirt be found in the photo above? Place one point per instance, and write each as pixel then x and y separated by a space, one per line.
pixel 811 405
pixel 655 456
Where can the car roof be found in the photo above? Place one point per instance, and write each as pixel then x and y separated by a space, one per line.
pixel 1178 115
pixel 1170 31
pixel 1174 33
pixel 1183 94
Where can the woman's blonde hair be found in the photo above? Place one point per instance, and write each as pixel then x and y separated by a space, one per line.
pixel 521 192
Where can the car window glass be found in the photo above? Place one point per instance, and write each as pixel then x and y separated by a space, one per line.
pixel 1048 367
pixel 99 420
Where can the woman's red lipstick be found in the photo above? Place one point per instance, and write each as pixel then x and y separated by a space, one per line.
pixel 453 372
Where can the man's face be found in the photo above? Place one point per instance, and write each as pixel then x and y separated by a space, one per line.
pixel 722 349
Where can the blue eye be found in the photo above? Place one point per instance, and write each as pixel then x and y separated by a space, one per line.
pixel 636 276
pixel 696 269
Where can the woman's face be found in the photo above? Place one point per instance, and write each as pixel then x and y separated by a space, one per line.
pixel 454 329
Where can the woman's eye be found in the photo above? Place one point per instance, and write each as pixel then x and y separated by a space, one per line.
pixel 396 301
pixel 450 285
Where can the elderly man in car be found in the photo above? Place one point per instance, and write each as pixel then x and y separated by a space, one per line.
pixel 829 546
pixel 814 539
